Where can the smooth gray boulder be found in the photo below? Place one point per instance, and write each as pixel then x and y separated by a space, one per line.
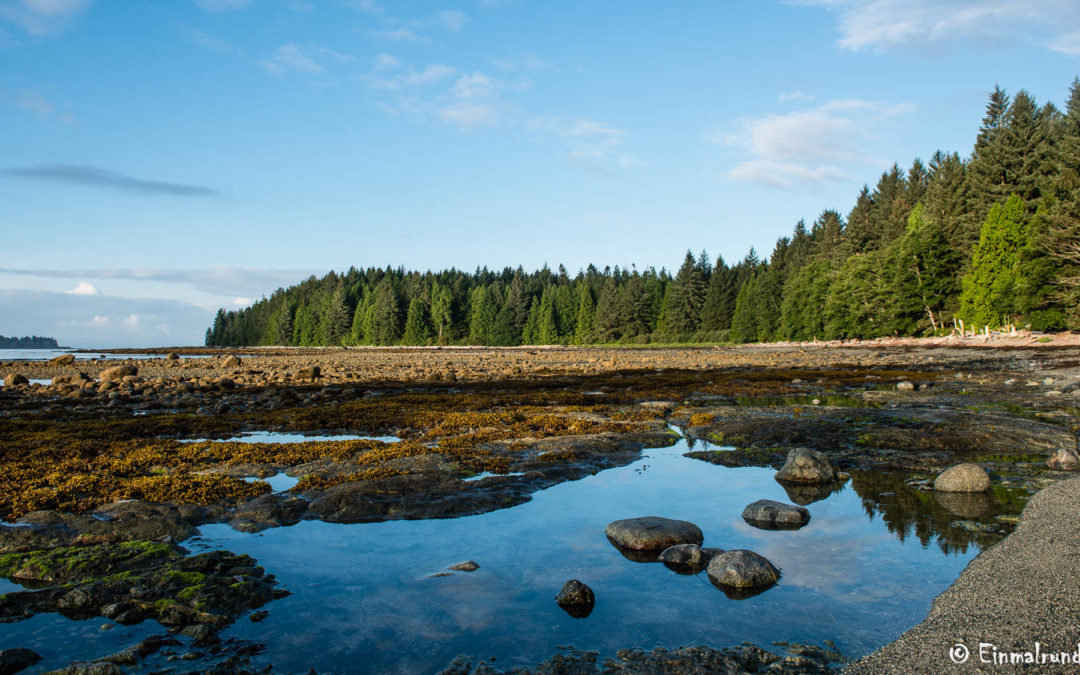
pixel 804 465
pixel 576 599
pixel 687 558
pixel 653 533
pixel 742 569
pixel 767 514
pixel 967 477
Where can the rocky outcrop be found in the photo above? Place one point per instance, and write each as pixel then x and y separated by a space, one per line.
pixel 117 373
pixel 804 465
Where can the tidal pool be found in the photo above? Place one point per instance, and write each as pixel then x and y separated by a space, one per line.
pixel 864 570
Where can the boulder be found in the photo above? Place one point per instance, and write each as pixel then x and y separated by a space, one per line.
pixel 172 356
pixel 1065 459
pixel 118 373
pixel 804 465
pixel 77 378
pixel 308 373
pixel 465 566
pixel 14 379
pixel 653 533
pixel 769 515
pixel 905 386
pixel 742 569
pixel 63 359
pixel 966 477
pixel 687 558
pixel 16 659
pixel 230 361
pixel 576 599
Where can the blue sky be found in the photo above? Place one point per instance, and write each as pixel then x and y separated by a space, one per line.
pixel 161 159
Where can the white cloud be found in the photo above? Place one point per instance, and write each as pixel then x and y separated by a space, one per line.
pixel 452 19
pixel 476 85
pixel 222 5
pixel 39 106
pixel 386 61
pixel 369 6
pixel 403 34
pixel 884 24
pixel 596 146
pixel 290 58
pixel 805 146
pixel 41 17
pixel 210 42
pixel 85 288
pixel 100 321
pixel 1068 43
pixel 795 96
pixel 469 115
pixel 132 321
pixel 241 301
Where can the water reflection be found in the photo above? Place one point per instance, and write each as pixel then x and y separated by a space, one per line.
pixel 931 517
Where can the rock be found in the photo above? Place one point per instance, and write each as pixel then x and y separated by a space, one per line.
pixel 118 373
pixel 78 378
pixel 230 361
pixel 308 373
pixel 687 558
pixel 15 379
pixel 653 533
pixel 16 659
pixel 466 566
pixel 742 569
pixel 172 356
pixel 767 514
pixel 97 668
pixel 63 359
pixel 201 633
pixel 804 465
pixel 905 386
pixel 576 599
pixel 1065 459
pixel 967 477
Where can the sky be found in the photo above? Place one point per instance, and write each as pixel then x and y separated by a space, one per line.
pixel 159 160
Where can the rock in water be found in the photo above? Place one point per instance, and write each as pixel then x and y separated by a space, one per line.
pixel 804 465
pixel 1065 459
pixel 967 477
pixel 14 379
pixel 576 599
pixel 687 558
pixel 466 566
pixel 172 356
pixel 14 660
pixel 742 569
pixel 769 515
pixel 653 533
pixel 117 373
pixel 230 361
pixel 63 359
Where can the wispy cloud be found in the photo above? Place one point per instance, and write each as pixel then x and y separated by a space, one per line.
pixel 807 146
pixel 452 20
pixel 222 281
pixel 885 24
pixel 290 58
pixel 210 42
pixel 34 103
pixel 41 17
pixel 91 176
pixel 596 146
pixel 786 96
pixel 85 288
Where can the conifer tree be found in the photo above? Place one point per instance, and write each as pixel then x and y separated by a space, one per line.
pixel 990 286
pixel 586 311
pixel 386 314
pixel 417 328
pixel 482 313
pixel 719 298
pixel 684 299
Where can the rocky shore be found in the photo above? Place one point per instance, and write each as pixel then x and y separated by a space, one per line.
pixel 112 464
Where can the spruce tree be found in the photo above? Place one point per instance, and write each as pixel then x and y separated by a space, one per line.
pixel 386 314
pixel 586 312
pixel 482 313
pixel 990 286
pixel 719 298
pixel 417 328
pixel 685 298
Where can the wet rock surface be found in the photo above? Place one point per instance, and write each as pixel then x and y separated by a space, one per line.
pixel 804 466
pixel 652 533
pixel 742 570
pixel 767 514
pixel 576 599
pixel 687 558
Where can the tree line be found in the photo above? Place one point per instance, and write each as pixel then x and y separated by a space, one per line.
pixel 990 239
pixel 29 342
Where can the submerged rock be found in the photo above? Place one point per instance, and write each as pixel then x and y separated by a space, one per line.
pixel 1065 459
pixel 14 660
pixel 967 477
pixel 653 533
pixel 576 599
pixel 687 558
pixel 804 465
pixel 743 569
pixel 767 514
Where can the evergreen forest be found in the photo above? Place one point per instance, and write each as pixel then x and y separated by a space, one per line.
pixel 990 239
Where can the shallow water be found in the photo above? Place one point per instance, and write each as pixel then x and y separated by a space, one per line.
pixel 46 354
pixel 864 570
